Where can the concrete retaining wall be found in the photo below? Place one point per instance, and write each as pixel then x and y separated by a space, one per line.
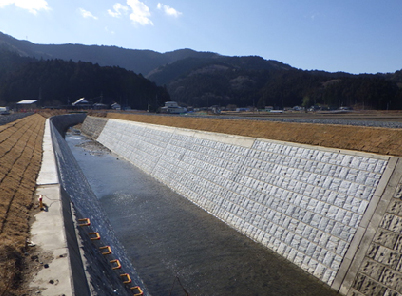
pixel 320 208
pixel 91 271
pixel 377 270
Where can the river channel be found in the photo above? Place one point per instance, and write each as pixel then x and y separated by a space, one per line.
pixel 177 247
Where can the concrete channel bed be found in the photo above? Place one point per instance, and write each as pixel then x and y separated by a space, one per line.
pixel 334 213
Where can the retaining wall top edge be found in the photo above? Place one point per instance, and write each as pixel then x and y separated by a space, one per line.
pixel 48 171
pixel 327 149
pixel 229 139
pixel 245 141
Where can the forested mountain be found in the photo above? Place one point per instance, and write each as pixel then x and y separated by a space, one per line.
pixel 253 81
pixel 138 61
pixel 199 79
pixel 56 82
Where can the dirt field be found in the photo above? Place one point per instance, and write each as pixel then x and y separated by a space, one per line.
pixel 385 141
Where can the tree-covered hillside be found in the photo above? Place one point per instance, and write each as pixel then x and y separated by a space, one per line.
pixel 253 81
pixel 139 61
pixel 192 78
pixel 305 88
pixel 57 82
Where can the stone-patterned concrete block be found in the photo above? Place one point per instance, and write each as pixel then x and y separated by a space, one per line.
pixel 303 202
pixel 388 239
pixel 390 279
pixel 392 223
pixel 372 269
pixel 387 256
pixel 367 286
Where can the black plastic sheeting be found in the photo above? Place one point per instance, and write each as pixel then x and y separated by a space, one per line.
pixel 75 186
pixel 4 119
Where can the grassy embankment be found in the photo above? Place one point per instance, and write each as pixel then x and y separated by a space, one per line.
pixel 384 141
pixel 20 159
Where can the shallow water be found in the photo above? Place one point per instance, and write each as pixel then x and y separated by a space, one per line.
pixel 176 246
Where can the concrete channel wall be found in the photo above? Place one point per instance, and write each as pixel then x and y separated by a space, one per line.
pixel 334 213
pixel 91 271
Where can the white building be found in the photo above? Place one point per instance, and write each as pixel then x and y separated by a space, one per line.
pixel 171 107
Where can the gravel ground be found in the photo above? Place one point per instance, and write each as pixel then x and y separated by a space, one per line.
pixel 4 119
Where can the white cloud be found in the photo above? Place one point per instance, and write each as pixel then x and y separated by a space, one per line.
pixel 169 10
pixel 118 9
pixel 314 15
pixel 6 2
pixel 87 14
pixel 140 14
pixel 33 6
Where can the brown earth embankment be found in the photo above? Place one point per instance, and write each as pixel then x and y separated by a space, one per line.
pixel 20 160
pixel 385 141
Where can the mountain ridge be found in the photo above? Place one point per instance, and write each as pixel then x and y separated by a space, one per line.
pixel 137 60
pixel 206 78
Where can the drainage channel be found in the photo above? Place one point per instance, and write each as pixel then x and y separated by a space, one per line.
pixel 176 247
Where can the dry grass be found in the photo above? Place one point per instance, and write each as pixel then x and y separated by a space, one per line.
pixel 20 159
pixel 384 141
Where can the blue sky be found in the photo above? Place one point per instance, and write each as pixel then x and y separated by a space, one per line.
pixel 355 36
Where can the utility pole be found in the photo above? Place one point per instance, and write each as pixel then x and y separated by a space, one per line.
pixel 40 96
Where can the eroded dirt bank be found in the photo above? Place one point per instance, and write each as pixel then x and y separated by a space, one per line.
pixel 385 141
pixel 20 160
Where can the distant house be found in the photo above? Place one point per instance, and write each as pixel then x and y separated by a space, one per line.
pixel 116 106
pixel 171 107
pixel 4 111
pixel 26 105
pixel 81 103
pixel 216 109
pixel 100 106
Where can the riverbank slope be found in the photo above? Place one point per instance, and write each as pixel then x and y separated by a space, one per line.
pixel 20 161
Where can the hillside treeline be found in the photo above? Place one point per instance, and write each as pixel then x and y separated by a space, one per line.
pixel 253 81
pixel 58 83
pixel 305 88
pixel 202 80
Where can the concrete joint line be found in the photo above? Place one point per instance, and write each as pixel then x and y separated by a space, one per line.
pixel 47 184
pixel 325 149
pixel 225 138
